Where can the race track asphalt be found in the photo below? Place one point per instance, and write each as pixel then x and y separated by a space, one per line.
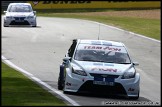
pixel 40 51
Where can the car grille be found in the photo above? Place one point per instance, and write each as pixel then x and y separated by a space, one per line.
pixel 19 18
pixel 104 75
pixel 19 23
pixel 88 86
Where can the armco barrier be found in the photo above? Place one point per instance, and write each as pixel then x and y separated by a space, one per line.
pixel 93 4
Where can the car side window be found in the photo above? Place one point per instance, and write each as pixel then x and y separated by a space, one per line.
pixel 71 49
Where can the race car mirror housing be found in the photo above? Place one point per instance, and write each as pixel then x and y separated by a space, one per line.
pixel 34 12
pixel 66 60
pixel 135 63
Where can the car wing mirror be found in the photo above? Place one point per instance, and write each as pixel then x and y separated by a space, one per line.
pixel 66 60
pixel 135 63
pixel 34 12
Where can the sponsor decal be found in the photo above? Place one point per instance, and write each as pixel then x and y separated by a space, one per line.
pixel 65 2
pixel 92 47
pixel 94 4
pixel 102 48
pixel 104 69
pixel 121 1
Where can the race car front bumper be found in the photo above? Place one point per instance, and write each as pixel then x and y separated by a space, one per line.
pixel 19 21
pixel 77 83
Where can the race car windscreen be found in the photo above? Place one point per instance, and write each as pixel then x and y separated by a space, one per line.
pixel 20 8
pixel 100 53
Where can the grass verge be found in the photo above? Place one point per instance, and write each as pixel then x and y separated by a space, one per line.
pixel 18 90
pixel 144 26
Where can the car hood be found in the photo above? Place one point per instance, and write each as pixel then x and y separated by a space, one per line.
pixel 102 68
pixel 19 14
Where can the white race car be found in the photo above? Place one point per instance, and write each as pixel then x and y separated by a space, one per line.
pixel 20 14
pixel 99 66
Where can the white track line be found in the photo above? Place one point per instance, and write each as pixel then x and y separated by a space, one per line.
pixel 31 76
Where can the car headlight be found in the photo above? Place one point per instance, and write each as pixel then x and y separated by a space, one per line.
pixel 8 17
pixel 30 17
pixel 79 72
pixel 129 74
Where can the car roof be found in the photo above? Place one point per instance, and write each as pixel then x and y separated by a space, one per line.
pixel 101 42
pixel 20 4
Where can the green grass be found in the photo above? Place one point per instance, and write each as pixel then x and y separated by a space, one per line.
pixel 18 90
pixel 144 26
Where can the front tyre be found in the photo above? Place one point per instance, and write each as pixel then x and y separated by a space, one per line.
pixel 5 25
pixel 134 98
pixel 61 78
pixel 60 84
pixel 35 25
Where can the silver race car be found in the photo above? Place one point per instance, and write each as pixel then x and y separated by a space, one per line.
pixel 99 66
pixel 20 14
